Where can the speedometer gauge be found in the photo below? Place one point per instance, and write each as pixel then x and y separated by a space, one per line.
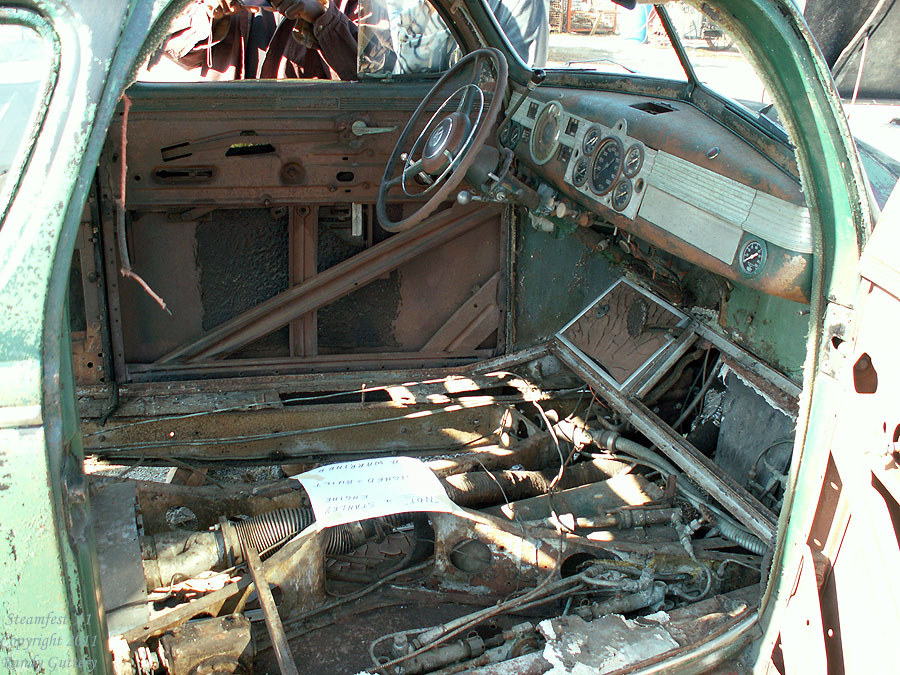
pixel 606 165
pixel 591 138
pixel 580 172
pixel 546 133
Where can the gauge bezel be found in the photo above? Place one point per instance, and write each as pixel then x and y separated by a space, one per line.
pixel 515 135
pixel 584 148
pixel 763 257
pixel 587 168
pixel 632 147
pixel 621 150
pixel 552 108
pixel 511 135
pixel 612 197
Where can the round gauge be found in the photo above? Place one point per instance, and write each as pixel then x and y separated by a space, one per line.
pixel 515 133
pixel 580 172
pixel 634 160
pixel 510 135
pixel 546 133
pixel 591 138
pixel 621 194
pixel 606 166
pixel 753 257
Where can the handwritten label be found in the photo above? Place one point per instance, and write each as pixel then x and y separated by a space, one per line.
pixel 370 488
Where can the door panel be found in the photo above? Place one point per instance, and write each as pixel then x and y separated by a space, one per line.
pixel 237 192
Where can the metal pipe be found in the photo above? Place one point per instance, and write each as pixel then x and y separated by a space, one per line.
pixel 621 604
pixel 482 488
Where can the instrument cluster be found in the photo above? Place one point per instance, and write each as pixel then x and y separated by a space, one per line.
pixel 603 163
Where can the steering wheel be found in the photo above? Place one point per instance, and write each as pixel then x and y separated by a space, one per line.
pixel 450 141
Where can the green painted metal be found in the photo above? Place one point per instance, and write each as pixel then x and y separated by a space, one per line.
pixel 555 278
pixel 50 610
pixel 772 328
pixel 46 555
pixel 777 41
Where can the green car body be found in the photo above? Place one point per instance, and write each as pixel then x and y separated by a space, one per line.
pixel 50 610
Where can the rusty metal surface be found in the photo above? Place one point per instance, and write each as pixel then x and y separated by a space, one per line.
pixel 330 285
pixel 87 311
pixel 514 561
pixel 208 645
pixel 180 127
pixel 325 364
pixel 587 500
pixel 150 398
pixel 270 611
pixel 239 266
pixel 180 165
pixel 335 168
pixel 206 502
pixel 210 604
pixel 336 430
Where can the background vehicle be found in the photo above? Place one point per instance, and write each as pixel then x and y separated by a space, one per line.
pixel 610 317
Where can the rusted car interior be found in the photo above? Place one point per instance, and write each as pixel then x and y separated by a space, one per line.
pixel 581 310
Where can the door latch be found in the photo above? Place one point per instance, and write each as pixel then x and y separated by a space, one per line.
pixel 360 128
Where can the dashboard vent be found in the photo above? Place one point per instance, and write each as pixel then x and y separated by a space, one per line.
pixel 653 107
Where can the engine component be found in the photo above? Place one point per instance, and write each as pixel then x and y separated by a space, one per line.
pixel 217 645
pixel 220 645
pixel 629 518
pixel 467 648
pixel 173 555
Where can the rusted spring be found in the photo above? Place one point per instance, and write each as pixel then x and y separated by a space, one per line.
pixel 268 531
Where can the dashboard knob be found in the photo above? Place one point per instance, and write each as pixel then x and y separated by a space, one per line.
pixel 464 197
pixel 561 210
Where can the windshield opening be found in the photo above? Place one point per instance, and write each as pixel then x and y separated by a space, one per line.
pixel 594 36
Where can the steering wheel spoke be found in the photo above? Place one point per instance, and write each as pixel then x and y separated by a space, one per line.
pixel 407 173
pixel 476 70
pixel 467 102
pixel 451 138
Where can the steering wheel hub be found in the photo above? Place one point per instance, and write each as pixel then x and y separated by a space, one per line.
pixel 445 142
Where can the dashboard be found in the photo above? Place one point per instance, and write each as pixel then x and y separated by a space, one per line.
pixel 669 174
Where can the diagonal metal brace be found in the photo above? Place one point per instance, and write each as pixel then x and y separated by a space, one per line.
pixel 270 612
pixel 328 286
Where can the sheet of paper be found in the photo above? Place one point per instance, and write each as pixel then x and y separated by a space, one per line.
pixel 370 488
